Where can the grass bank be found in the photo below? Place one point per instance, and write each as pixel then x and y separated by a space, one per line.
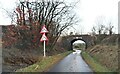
pixel 96 67
pixel 44 64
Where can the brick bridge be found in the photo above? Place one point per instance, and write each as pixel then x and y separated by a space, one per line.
pixel 67 41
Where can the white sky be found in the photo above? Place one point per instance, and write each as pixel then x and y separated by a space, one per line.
pixel 90 10
pixel 78 41
pixel 86 10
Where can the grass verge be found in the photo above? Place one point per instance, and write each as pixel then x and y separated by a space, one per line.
pixel 96 67
pixel 44 64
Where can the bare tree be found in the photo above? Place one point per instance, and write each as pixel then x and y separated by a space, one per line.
pixel 31 16
pixel 105 30
pixel 100 24
pixel 110 28
pixel 100 29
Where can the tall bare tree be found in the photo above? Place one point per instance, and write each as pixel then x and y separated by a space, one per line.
pixel 31 16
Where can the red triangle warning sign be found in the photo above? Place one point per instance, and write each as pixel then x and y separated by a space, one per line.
pixel 44 38
pixel 44 30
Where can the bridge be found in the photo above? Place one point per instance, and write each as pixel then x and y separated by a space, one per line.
pixel 67 41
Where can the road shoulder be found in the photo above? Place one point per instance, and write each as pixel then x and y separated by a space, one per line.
pixel 44 64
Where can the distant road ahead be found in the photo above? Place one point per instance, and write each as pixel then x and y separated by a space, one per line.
pixel 72 63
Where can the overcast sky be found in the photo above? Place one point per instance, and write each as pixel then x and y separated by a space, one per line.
pixel 86 10
pixel 78 41
pixel 90 10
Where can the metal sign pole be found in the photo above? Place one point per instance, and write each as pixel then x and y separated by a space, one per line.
pixel 44 38
pixel 44 49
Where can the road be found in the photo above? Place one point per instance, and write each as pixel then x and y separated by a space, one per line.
pixel 72 63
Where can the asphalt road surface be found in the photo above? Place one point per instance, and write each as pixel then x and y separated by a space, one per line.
pixel 71 63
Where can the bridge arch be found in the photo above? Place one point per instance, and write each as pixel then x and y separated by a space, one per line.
pixel 67 41
pixel 72 41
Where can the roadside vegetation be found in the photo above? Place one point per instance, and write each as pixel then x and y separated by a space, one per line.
pixel 105 44
pixel 103 57
pixel 45 63
pixel 106 55
pixel 96 67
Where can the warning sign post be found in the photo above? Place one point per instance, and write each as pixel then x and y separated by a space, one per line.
pixel 44 37
pixel 44 30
